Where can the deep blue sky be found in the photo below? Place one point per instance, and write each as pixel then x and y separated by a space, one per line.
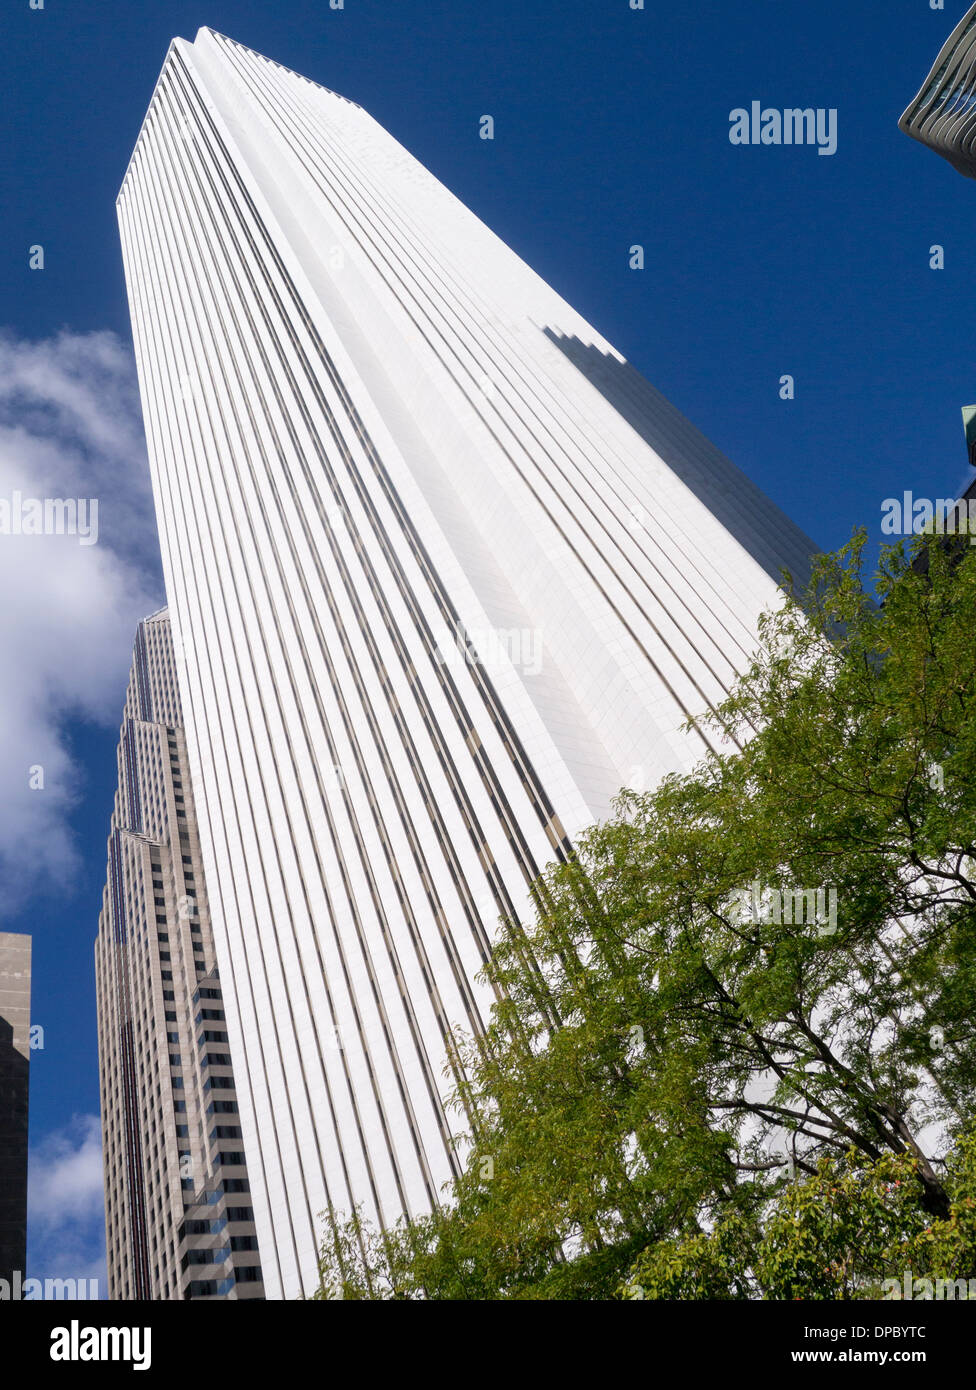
pixel 611 128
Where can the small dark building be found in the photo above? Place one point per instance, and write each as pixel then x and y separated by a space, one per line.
pixel 15 975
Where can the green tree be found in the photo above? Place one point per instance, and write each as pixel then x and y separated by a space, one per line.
pixel 852 1231
pixel 685 1027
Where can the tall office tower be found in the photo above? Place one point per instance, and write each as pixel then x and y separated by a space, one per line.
pixel 943 115
pixel 178 1216
pixel 15 987
pixel 446 572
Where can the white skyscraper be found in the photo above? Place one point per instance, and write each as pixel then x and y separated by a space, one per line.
pixel 444 574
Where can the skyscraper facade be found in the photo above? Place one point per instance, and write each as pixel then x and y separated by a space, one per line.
pixel 446 573
pixel 178 1215
pixel 943 114
pixel 15 994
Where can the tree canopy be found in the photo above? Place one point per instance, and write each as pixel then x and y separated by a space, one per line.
pixel 734 1053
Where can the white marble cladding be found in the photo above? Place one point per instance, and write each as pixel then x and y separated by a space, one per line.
pixel 373 428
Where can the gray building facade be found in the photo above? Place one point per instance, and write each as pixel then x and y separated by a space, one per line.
pixel 943 114
pixel 178 1215
pixel 15 987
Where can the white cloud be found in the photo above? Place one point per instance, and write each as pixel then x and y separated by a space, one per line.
pixel 70 427
pixel 65 1205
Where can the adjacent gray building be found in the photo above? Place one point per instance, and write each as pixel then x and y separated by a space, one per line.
pixel 178 1214
pixel 943 115
pixel 15 986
